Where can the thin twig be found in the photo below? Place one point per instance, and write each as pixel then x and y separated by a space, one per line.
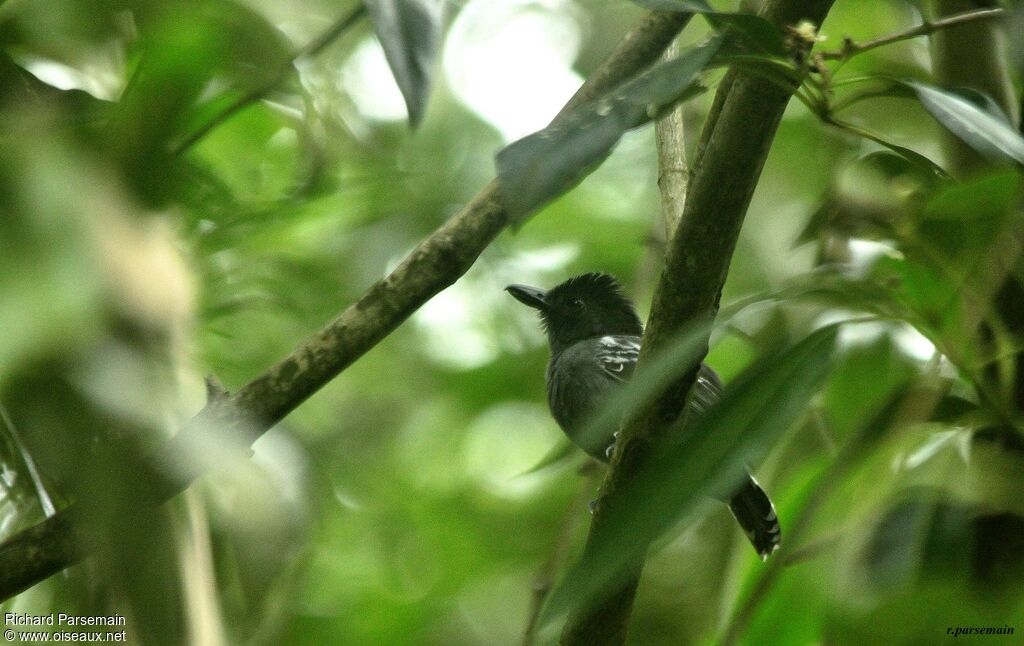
pixel 851 48
pixel 255 94
pixel 546 574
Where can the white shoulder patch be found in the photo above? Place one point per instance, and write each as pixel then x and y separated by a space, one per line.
pixel 617 355
pixel 619 342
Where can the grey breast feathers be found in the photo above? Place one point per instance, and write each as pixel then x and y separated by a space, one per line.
pixel 583 376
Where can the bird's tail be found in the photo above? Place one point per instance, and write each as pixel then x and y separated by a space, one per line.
pixel 756 515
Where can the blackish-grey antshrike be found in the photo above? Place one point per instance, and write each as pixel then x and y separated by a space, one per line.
pixel 594 334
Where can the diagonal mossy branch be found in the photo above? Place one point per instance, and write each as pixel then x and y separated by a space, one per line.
pixel 728 162
pixel 437 262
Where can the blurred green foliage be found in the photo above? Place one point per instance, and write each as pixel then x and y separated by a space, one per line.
pixel 400 505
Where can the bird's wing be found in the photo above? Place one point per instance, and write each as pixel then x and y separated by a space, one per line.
pixel 706 392
pixel 617 355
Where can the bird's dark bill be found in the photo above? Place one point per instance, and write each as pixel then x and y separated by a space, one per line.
pixel 530 296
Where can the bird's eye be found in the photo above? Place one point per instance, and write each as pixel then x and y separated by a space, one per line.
pixel 577 303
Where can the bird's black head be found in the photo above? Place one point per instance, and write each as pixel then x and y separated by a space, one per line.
pixel 581 308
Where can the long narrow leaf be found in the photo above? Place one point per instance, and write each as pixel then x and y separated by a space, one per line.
pixel 987 133
pixel 911 156
pixel 410 32
pixel 542 166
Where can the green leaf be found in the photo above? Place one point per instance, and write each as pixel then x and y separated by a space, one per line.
pixel 929 292
pixel 983 101
pixel 539 167
pixel 915 158
pixel 870 198
pixel 21 87
pixel 821 220
pixel 965 218
pixel 410 33
pixel 873 294
pixel 987 133
pixel 864 382
pixel 888 89
pixel 755 410
pixel 752 29
pixel 561 453
pixel 952 410
pixel 989 197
